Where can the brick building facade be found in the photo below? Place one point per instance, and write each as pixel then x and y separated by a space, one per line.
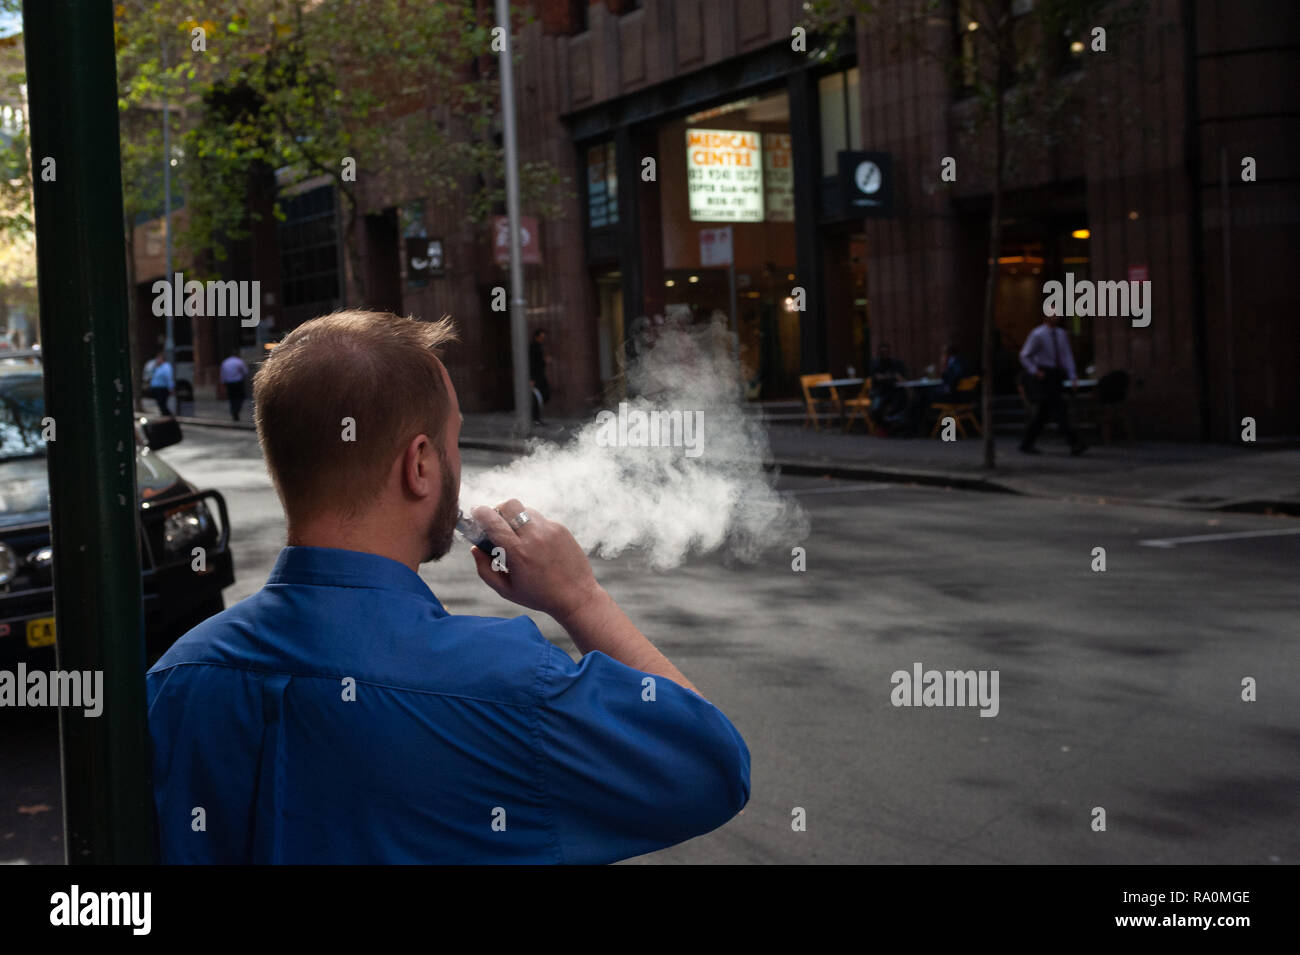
pixel 1141 181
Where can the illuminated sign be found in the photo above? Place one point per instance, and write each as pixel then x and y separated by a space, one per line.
pixel 724 175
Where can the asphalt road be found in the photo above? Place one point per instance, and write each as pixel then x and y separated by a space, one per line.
pixel 1119 690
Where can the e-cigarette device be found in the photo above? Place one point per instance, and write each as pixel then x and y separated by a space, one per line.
pixel 472 532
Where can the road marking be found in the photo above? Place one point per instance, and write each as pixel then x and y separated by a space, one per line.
pixel 1170 542
pixel 844 489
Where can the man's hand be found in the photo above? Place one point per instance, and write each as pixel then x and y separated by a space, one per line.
pixel 546 570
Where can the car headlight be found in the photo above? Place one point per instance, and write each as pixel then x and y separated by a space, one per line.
pixel 8 564
pixel 185 529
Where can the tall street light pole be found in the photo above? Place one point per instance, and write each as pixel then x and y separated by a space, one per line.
pixel 170 344
pixel 518 318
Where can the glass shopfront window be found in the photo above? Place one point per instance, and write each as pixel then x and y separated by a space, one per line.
pixel 602 186
pixel 731 166
pixel 840 102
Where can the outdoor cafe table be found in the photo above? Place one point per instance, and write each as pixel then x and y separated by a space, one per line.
pixel 839 383
pixel 1084 383
pixel 932 382
pixel 1086 395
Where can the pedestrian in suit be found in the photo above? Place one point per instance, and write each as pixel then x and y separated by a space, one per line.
pixel 1048 365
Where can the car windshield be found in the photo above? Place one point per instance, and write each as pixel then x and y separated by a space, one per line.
pixel 22 406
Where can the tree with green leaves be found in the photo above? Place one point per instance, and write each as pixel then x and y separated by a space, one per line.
pixel 382 92
pixel 17 223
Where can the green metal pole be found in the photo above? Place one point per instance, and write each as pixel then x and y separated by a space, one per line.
pixel 80 259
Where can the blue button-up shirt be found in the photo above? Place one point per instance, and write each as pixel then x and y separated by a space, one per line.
pixel 162 376
pixel 341 714
pixel 233 369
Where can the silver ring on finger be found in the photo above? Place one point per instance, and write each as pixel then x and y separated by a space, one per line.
pixel 520 520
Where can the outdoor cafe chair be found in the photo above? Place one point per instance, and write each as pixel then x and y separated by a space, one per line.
pixel 960 411
pixel 1112 406
pixel 810 402
pixel 860 407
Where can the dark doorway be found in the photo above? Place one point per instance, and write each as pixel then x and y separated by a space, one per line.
pixel 383 261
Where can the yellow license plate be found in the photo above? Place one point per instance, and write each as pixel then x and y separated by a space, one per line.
pixel 40 632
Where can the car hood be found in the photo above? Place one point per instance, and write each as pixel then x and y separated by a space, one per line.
pixel 25 486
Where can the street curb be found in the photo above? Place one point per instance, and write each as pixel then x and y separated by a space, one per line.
pixel 217 423
pixel 1283 508
pixel 858 472
pixel 838 469
pixel 1273 507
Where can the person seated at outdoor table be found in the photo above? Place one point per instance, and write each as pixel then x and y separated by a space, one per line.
pixel 888 401
pixel 885 365
pixel 954 369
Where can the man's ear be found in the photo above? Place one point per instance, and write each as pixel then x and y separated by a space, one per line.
pixel 420 467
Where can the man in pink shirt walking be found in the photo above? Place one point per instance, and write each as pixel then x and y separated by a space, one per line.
pixel 1048 365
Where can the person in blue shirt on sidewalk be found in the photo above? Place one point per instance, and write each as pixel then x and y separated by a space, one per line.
pixel 162 382
pixel 343 715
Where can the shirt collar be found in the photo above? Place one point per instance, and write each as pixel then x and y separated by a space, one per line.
pixel 334 567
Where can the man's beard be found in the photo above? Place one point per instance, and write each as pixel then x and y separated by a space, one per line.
pixel 443 525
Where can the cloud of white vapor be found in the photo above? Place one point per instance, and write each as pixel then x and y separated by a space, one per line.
pixel 660 501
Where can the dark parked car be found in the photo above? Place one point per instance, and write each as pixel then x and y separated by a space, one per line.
pixel 175 518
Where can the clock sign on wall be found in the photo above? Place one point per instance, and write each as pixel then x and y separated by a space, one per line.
pixel 866 183
pixel 867 177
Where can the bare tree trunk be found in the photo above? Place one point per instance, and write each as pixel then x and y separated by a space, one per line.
pixel 353 250
pixel 991 286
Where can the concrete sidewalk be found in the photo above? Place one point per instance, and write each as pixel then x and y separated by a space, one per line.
pixel 1163 474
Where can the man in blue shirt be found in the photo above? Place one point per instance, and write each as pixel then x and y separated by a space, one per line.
pixel 342 715
pixel 161 381
pixel 233 375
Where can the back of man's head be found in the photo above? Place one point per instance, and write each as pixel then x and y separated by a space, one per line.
pixel 338 399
